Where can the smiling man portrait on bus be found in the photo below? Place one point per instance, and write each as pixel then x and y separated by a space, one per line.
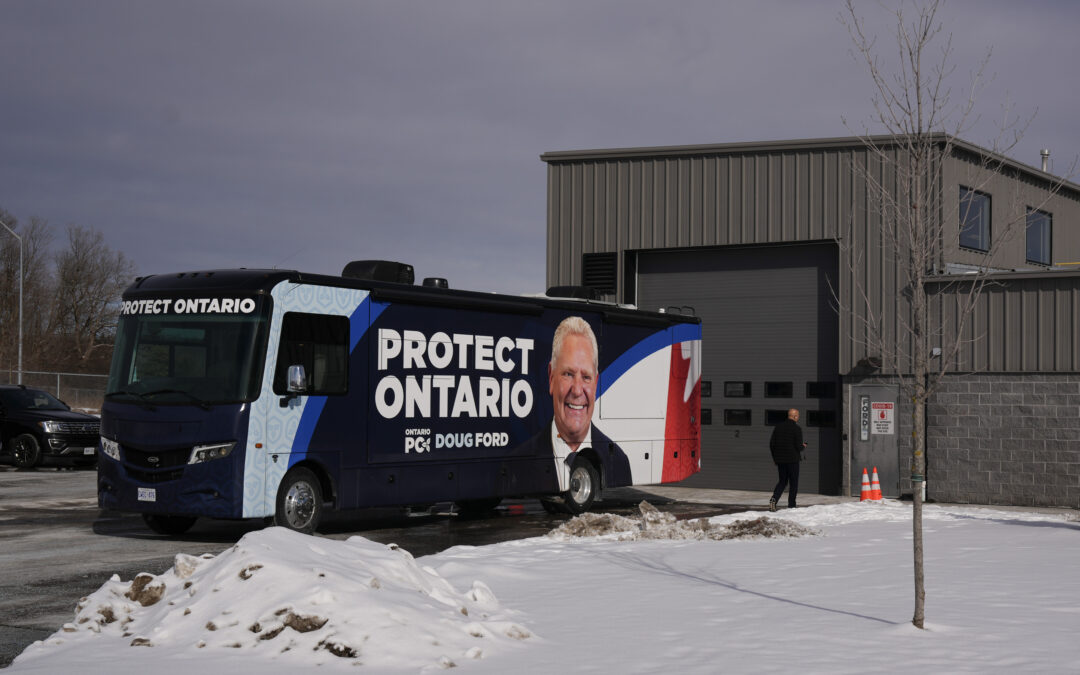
pixel 573 375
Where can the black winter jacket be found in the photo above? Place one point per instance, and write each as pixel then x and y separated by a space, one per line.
pixel 786 443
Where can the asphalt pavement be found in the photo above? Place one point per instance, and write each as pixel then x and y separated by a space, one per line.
pixel 58 546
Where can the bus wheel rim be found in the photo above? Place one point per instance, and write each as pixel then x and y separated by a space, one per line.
pixel 299 504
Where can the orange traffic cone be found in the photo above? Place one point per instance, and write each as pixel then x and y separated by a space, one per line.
pixel 866 494
pixel 875 487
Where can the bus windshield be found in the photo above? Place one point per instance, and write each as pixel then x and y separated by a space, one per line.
pixel 186 359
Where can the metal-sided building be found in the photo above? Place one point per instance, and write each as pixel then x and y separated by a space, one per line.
pixel 777 245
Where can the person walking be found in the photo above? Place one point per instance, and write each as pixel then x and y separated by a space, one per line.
pixel 786 445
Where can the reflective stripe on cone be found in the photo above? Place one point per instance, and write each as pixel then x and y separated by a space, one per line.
pixel 865 495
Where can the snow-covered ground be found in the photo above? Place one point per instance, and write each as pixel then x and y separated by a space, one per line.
pixel 829 591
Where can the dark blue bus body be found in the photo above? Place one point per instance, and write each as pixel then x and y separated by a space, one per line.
pixel 275 394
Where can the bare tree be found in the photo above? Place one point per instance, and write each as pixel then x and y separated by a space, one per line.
pixel 70 299
pixel 90 278
pixel 920 126
pixel 36 287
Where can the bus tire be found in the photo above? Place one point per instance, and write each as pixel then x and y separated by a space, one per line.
pixel 584 486
pixel 477 507
pixel 168 525
pixel 299 501
pixel 25 451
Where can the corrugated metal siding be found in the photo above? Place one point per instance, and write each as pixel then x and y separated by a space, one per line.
pixel 1019 325
pixel 661 202
pixel 676 202
pixel 646 199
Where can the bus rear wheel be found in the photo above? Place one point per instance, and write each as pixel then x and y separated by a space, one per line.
pixel 169 525
pixel 299 501
pixel 584 486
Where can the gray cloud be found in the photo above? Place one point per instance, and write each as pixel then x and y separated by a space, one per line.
pixel 274 133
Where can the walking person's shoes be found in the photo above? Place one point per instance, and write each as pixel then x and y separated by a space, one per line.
pixel 772 504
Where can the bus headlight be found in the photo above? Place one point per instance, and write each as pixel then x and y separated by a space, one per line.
pixel 205 453
pixel 110 448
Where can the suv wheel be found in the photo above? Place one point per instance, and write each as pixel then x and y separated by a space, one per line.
pixel 25 451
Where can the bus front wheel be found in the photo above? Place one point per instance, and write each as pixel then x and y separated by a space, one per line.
pixel 299 501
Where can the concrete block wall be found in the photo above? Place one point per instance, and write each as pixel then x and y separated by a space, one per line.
pixel 1004 439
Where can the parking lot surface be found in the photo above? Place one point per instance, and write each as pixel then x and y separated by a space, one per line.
pixel 58 546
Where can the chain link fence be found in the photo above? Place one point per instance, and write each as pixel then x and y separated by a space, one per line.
pixel 81 391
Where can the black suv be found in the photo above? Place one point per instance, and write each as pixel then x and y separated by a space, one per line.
pixel 36 428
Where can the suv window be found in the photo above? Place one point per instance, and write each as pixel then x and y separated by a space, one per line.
pixel 29 399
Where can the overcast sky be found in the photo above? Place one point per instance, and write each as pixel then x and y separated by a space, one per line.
pixel 274 133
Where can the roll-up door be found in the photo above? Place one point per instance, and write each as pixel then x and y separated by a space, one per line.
pixel 770 341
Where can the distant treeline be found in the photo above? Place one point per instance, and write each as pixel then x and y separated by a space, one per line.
pixel 70 294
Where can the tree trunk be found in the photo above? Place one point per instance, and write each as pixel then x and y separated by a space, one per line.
pixel 917 482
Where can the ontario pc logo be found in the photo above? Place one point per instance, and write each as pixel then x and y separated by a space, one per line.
pixel 417 440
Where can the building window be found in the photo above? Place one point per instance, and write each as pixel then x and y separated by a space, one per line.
pixel 737 389
pixel 706 389
pixel 974 219
pixel 778 390
pixel 820 390
pixel 736 418
pixel 774 417
pixel 821 418
pixel 1039 229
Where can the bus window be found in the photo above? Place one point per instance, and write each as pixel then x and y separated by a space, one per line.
pixel 320 344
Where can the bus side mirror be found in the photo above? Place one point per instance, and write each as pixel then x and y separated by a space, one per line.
pixel 297 384
pixel 297 380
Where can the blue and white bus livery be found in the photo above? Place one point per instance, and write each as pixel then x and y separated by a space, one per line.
pixel 276 394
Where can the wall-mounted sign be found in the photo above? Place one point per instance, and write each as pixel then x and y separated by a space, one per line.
pixel 881 417
pixel 864 418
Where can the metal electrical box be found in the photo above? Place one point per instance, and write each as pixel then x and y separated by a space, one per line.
pixel 874 436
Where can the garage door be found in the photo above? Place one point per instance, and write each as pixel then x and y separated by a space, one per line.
pixel 769 343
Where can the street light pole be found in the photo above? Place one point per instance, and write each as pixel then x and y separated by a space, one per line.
pixel 14 234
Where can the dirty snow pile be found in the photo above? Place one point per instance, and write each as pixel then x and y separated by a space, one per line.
pixel 298 600
pixel 657 525
pixel 1001 597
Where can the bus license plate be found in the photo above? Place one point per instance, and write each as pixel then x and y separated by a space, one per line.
pixel 147 494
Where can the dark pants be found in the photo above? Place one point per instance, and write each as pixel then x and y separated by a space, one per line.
pixel 789 473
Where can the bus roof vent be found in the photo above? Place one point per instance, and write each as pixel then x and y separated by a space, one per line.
pixel 436 282
pixel 576 292
pixel 379 270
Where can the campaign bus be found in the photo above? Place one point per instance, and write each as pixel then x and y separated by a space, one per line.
pixel 277 394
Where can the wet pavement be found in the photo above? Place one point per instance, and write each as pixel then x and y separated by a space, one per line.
pixel 59 546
